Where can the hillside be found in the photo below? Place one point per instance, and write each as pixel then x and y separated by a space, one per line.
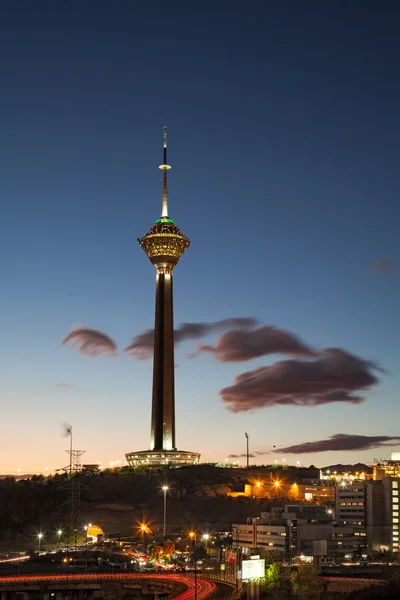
pixel 118 500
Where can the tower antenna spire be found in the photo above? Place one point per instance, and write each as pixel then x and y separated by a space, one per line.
pixel 164 167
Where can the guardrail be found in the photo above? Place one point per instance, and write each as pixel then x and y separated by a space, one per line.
pixel 221 578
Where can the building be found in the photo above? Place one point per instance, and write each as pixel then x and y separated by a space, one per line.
pixel 351 506
pixel 365 521
pixel 367 516
pixel 261 533
pixel 164 245
pixel 383 515
pixel 290 529
pixel 283 488
pixel 387 468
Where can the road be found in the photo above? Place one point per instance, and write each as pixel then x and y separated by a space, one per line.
pixel 205 588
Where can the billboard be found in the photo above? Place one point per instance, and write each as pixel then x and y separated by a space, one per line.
pixel 253 569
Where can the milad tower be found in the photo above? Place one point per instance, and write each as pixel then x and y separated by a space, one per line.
pixel 164 245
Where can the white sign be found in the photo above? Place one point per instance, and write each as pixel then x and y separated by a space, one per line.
pixel 253 569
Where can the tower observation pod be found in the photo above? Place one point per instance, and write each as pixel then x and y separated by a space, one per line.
pixel 164 245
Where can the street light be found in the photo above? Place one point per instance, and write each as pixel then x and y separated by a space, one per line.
pixel 165 489
pixel 206 536
pixel 86 527
pixel 59 533
pixel 143 529
pixel 39 537
pixel 193 536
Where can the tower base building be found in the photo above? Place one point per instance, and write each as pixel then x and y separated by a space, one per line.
pixel 164 245
pixel 152 458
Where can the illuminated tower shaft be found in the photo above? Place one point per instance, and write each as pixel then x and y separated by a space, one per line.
pixel 163 404
pixel 164 245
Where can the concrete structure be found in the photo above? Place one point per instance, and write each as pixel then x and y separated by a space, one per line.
pixel 383 515
pixel 365 521
pixel 387 468
pixel 306 530
pixel 259 533
pixel 275 488
pixel 367 514
pixel 164 245
pixel 292 528
pixel 100 586
pixel 351 505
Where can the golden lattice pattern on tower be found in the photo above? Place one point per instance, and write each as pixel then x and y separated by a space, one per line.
pixel 164 243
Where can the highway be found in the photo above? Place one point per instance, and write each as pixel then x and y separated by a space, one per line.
pixel 205 588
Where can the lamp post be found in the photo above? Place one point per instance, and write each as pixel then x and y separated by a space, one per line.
pixel 165 489
pixel 86 527
pixel 143 530
pixel 247 449
pixel 193 536
pixel 59 533
pixel 206 537
pixel 39 537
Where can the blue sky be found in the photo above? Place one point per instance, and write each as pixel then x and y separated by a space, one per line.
pixel 284 140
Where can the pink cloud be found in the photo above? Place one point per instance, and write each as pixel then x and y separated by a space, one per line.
pixel 342 442
pixel 382 266
pixel 90 342
pixel 244 344
pixel 141 347
pixel 334 376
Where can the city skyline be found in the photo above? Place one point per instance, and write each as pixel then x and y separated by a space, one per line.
pixel 286 183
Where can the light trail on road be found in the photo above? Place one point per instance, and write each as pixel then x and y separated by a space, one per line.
pixel 205 587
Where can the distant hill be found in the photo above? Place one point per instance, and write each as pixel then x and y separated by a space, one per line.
pixel 360 467
pixel 17 477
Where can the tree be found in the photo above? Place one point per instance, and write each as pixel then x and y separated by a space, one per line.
pixel 158 551
pixel 168 548
pixel 271 556
pixel 306 581
pixel 274 575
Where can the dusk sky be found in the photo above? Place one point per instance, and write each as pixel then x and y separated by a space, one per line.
pixel 284 140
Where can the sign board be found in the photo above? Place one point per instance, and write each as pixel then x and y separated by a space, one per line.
pixel 255 557
pixel 253 569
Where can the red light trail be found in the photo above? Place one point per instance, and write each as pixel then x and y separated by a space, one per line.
pixel 205 588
